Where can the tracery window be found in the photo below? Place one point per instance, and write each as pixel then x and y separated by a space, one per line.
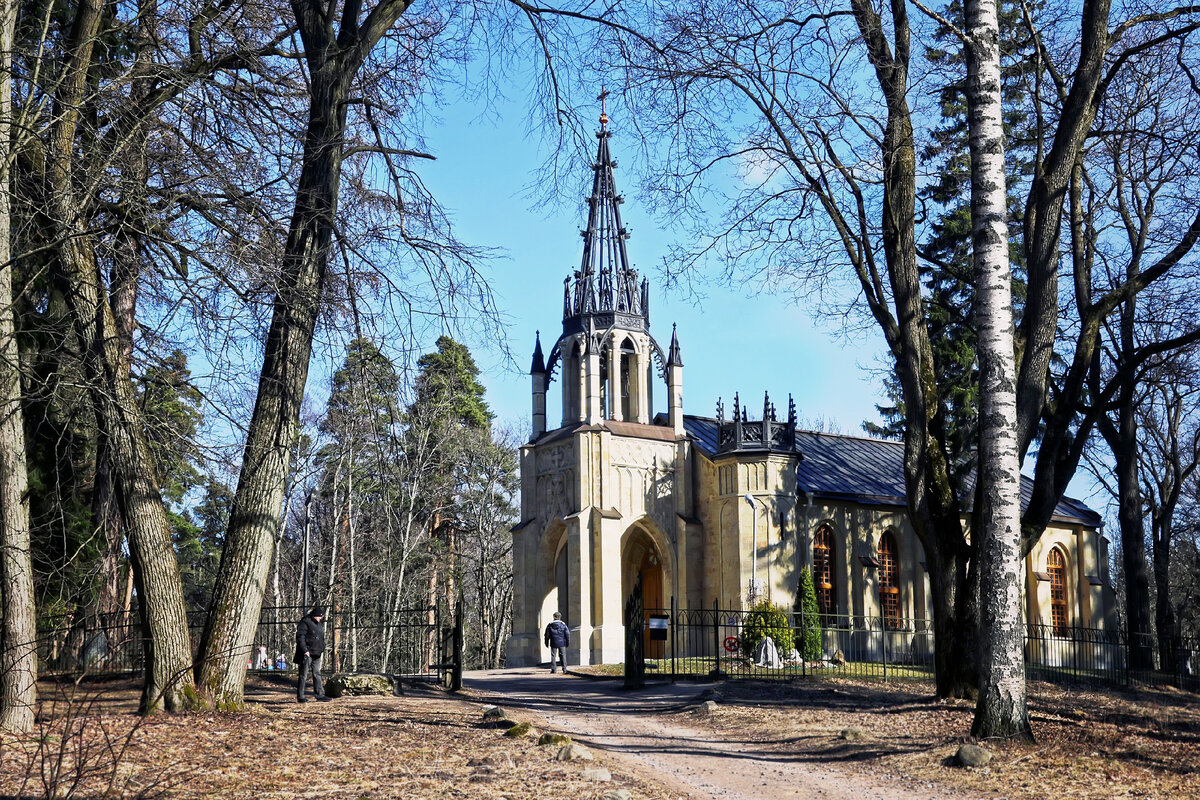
pixel 1056 566
pixel 823 573
pixel 889 581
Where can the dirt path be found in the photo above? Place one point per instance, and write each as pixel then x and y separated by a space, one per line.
pixel 700 762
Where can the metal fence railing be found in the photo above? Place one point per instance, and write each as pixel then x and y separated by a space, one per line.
pixel 412 642
pixel 716 642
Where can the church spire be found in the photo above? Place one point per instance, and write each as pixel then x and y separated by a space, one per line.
pixel 604 281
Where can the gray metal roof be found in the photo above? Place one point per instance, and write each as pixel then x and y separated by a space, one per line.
pixel 865 470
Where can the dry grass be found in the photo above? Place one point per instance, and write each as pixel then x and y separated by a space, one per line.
pixel 1090 744
pixel 425 744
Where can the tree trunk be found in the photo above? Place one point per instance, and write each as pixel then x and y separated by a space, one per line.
pixel 246 558
pixel 1166 622
pixel 1133 542
pixel 168 665
pixel 1001 711
pixel 18 633
pixel 933 506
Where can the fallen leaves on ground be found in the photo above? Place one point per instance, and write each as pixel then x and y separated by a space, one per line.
pixel 1090 743
pixel 425 744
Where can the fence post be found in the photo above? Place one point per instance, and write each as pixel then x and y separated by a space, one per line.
pixel 883 642
pixel 716 639
pixel 671 625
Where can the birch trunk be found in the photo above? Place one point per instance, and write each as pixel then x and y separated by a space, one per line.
pixel 1001 709
pixel 18 635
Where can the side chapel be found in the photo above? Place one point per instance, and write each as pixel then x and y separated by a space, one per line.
pixel 725 509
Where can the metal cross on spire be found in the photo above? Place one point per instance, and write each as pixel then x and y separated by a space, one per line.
pixel 603 98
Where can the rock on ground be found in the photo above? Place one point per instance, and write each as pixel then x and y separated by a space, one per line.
pixel 340 685
pixel 574 752
pixel 599 774
pixel 972 755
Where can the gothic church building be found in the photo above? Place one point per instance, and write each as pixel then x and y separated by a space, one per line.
pixel 706 509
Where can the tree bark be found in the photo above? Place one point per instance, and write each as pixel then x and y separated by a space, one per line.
pixel 18 632
pixel 1001 709
pixel 168 681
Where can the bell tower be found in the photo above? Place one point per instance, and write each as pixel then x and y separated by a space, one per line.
pixel 606 356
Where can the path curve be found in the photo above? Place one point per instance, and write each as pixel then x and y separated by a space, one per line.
pixel 703 763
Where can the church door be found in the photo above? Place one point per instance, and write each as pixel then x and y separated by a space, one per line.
pixel 652 599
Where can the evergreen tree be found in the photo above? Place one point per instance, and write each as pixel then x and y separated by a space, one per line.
pixel 808 619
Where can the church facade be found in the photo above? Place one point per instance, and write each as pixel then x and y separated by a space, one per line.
pixel 715 509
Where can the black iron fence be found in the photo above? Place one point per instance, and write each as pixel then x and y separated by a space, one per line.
pixel 414 643
pixel 714 642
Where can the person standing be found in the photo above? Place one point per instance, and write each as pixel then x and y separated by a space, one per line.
pixel 310 646
pixel 557 637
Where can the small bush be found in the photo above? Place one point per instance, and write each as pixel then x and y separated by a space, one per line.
pixel 808 619
pixel 766 619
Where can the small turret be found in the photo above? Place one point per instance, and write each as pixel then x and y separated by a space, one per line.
pixel 675 385
pixel 537 374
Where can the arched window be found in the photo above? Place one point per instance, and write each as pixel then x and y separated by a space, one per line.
pixel 627 381
pixel 889 580
pixel 1056 566
pixel 824 572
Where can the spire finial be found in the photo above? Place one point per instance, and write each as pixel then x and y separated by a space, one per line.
pixel 603 98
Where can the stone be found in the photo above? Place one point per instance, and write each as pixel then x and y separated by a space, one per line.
pixel 706 708
pixel 599 774
pixel 574 752
pixel 343 685
pixel 554 738
pixel 494 712
pixel 520 730
pixel 972 755
pixel 852 734
pixel 617 794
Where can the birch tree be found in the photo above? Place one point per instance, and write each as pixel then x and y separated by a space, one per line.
pixel 18 632
pixel 1001 710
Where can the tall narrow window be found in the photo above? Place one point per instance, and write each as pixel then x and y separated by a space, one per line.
pixel 889 581
pixel 1056 565
pixel 823 574
pixel 627 380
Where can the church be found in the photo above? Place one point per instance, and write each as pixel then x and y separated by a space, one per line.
pixel 717 509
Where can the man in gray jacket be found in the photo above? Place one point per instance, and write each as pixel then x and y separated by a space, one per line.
pixel 557 637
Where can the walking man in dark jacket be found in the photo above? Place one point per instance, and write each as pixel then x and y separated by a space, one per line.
pixel 310 646
pixel 557 637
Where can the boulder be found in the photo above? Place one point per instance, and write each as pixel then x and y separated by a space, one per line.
pixel 554 738
pixel 520 730
pixel 617 794
pixel 972 755
pixel 706 708
pixel 342 685
pixel 851 734
pixel 574 752
pixel 494 712
pixel 599 774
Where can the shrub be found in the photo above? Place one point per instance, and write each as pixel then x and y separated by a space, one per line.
pixel 808 619
pixel 766 619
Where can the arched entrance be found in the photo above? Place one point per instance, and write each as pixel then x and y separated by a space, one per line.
pixel 643 560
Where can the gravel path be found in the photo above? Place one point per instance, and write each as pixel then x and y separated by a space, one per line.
pixel 695 761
